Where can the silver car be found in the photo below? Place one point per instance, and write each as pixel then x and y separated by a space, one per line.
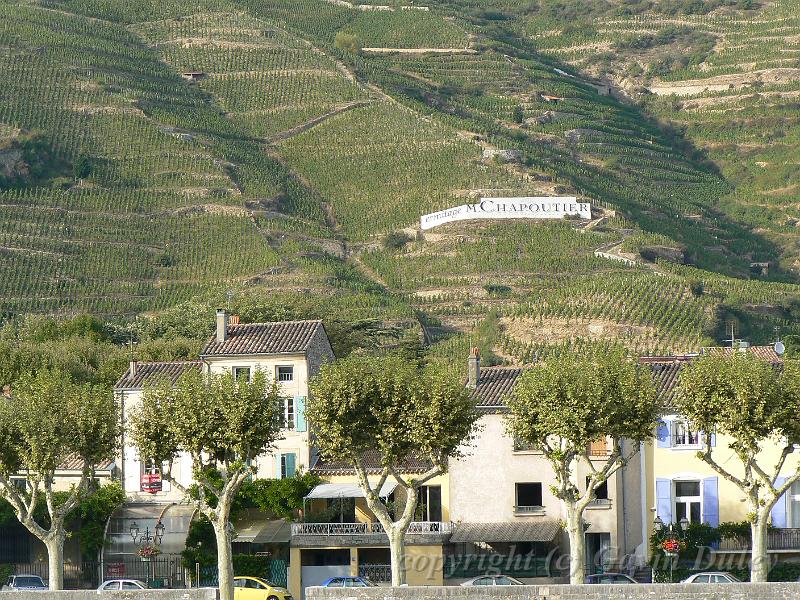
pixel 25 583
pixel 114 585
pixel 492 580
pixel 711 577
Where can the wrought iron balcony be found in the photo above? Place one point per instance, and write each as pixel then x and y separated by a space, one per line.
pixel 778 540
pixel 363 529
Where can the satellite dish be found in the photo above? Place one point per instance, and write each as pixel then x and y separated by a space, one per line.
pixel 779 348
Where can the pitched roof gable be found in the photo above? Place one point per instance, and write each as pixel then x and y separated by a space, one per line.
pixel 285 337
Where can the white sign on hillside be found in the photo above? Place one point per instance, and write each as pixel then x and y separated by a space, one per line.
pixel 510 208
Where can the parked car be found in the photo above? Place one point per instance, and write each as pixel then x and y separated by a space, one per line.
pixel 492 580
pixel 349 582
pixel 711 577
pixel 113 585
pixel 25 583
pixel 609 578
pixel 255 588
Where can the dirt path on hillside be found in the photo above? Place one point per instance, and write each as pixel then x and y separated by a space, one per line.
pixel 298 129
pixel 420 50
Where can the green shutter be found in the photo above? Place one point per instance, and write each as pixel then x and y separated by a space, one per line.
pixel 299 413
pixel 291 462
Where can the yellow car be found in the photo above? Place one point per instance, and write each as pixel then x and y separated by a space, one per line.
pixel 255 588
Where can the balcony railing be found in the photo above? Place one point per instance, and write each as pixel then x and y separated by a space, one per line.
pixel 355 529
pixel 778 539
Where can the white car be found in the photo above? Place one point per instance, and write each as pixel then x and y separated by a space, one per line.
pixel 492 580
pixel 711 577
pixel 114 585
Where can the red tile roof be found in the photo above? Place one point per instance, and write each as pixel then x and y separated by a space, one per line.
pixel 75 463
pixel 286 337
pixel 151 372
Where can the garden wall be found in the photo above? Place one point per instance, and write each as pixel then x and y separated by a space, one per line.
pixel 664 591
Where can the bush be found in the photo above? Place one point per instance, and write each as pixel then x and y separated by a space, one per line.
pixel 396 240
pixel 347 42
pixel 497 290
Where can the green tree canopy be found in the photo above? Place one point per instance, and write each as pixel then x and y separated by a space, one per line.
pixel 565 404
pixel 755 404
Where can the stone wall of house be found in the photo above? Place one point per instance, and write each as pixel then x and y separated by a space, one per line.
pixel 319 352
pixel 744 591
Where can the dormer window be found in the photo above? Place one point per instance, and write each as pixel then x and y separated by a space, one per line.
pixel 285 374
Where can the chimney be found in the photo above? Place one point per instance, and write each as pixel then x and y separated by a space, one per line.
pixel 222 325
pixel 132 369
pixel 473 368
pixel 233 320
pixel 7 392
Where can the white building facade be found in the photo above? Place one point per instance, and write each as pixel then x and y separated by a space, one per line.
pixel 289 352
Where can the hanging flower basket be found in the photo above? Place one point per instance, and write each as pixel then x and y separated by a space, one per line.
pixel 147 552
pixel 672 546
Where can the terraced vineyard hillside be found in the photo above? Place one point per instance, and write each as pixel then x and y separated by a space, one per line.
pixel 154 152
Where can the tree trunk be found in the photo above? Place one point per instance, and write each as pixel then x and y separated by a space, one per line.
pixel 397 550
pixel 759 559
pixel 577 550
pixel 224 558
pixel 55 561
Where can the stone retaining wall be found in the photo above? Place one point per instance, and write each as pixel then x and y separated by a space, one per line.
pixel 657 591
pixel 193 594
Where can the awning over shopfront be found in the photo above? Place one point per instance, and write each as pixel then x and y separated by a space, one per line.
pixel 539 531
pixel 255 528
pixel 347 490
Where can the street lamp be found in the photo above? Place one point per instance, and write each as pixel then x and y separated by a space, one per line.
pixel 674 532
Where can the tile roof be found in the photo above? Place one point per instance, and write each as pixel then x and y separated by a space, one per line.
pixel 372 462
pixel 762 352
pixel 666 369
pixel 494 384
pixel 544 530
pixel 75 463
pixel 150 372
pixel 286 337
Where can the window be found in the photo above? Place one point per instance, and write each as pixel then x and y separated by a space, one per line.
pixel 129 585
pixel 241 374
pixel 688 501
pixel 430 503
pixel 20 483
pixel 484 581
pixel 288 413
pixel 701 579
pixel 683 434
pixel 285 374
pixel 529 497
pixel 336 583
pixel 522 446
pixel 600 492
pixel 288 462
pixel 793 505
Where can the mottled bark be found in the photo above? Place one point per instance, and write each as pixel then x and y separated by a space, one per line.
pixel 55 560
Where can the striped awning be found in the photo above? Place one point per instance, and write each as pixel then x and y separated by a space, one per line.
pixel 347 490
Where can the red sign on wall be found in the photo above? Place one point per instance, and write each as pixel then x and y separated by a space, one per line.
pixel 151 483
pixel 115 569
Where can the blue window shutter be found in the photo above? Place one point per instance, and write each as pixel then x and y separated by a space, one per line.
pixel 300 413
pixel 278 466
pixel 664 499
pixel 713 439
pixel 663 434
pixel 291 464
pixel 711 501
pixel 778 512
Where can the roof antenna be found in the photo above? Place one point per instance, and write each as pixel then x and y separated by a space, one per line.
pixel 229 295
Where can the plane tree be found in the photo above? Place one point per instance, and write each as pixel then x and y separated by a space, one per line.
pixel 223 425
pixel 49 421
pixel 563 406
pixel 751 406
pixel 397 411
